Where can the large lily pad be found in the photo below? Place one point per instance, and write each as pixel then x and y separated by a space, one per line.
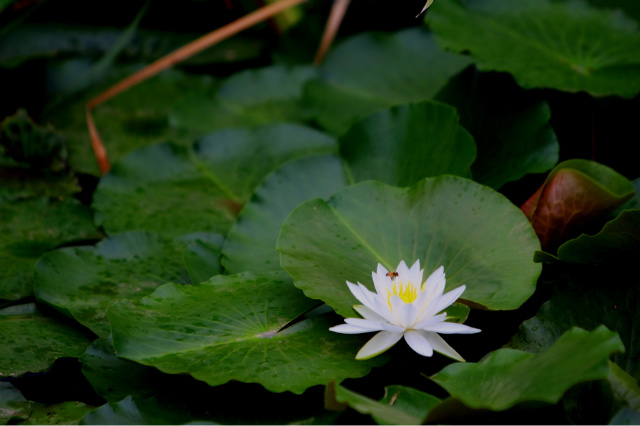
pixel 32 341
pixel 202 257
pixel 251 242
pixel 404 144
pixel 399 406
pixel 480 238
pixel 414 70
pixel 200 189
pixel 30 228
pixel 575 193
pixel 506 377
pixel 139 411
pixel 509 125
pixel 248 98
pixel 231 328
pixel 84 281
pixel 568 46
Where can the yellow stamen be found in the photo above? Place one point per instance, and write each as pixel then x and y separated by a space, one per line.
pixel 408 293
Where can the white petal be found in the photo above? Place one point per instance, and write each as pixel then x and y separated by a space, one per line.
pixel 365 324
pixel 397 307
pixel 408 316
pixel 415 275
pixel 434 286
pixel 421 305
pixel 381 281
pixel 430 321
pixel 447 299
pixel 378 344
pixel 361 293
pixel 368 313
pixel 418 343
pixel 391 327
pixel 439 345
pixel 403 272
pixel 348 329
pixel 450 328
pixel 382 308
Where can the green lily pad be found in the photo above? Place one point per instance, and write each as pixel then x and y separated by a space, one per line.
pixel 390 69
pixel 231 328
pixel 400 405
pixel 624 387
pixel 617 243
pixel 251 242
pixel 606 297
pixel 575 193
pixel 32 341
pixel 499 113
pixel 480 238
pixel 84 281
pixel 506 377
pixel 64 413
pixel 30 228
pixel 12 404
pixel 200 189
pixel 568 46
pixel 248 98
pixel 404 144
pixel 202 257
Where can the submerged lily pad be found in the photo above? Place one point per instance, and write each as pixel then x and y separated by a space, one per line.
pixel 32 341
pixel 506 377
pixel 13 405
pixel 248 98
pixel 63 413
pixel 202 257
pixel 579 49
pixel 84 281
pixel 390 69
pixel 480 238
pixel 200 189
pixel 30 228
pixel 234 328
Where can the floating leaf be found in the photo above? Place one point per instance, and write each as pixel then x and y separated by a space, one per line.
pixel 12 404
pixel 574 194
pixel 480 238
pixel 399 406
pixel 617 243
pixel 414 70
pixel 32 341
pixel 84 281
pixel 200 189
pixel 251 242
pixel 606 297
pixel 509 125
pixel 231 328
pixel 202 257
pixel 568 46
pixel 624 387
pixel 506 377
pixel 30 228
pixel 404 144
pixel 248 98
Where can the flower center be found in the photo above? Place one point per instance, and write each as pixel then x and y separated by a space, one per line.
pixel 407 292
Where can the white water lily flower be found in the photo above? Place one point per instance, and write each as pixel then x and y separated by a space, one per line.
pixel 402 307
